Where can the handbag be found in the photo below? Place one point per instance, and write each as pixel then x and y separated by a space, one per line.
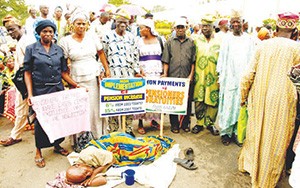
pixel 19 82
pixel 242 124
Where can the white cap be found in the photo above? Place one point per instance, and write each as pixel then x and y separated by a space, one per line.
pixel 180 21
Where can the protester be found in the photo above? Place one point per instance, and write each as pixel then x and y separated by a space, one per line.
pixel 59 21
pixel 29 23
pixel 117 149
pixel 263 34
pixel 150 50
pixel 148 15
pixel 196 31
pixel 174 65
pixel 86 169
pixel 206 90
pixel 80 49
pixel 234 57
pixel 45 67
pixel 272 113
pixel 224 28
pixel 44 15
pixel 100 26
pixel 14 29
pixel 121 50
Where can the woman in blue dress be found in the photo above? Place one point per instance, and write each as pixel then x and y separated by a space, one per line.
pixel 45 67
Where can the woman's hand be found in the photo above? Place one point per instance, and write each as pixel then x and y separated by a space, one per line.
pixel 107 73
pixel 29 100
pixel 78 86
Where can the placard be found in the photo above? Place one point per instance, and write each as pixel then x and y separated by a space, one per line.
pixel 63 113
pixel 167 95
pixel 122 96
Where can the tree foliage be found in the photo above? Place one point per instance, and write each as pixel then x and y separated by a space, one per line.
pixel 118 2
pixel 16 8
pixel 158 8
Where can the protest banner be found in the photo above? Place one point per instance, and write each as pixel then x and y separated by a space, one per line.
pixel 63 113
pixel 122 96
pixel 167 95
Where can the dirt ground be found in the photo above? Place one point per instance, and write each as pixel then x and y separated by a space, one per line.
pixel 217 164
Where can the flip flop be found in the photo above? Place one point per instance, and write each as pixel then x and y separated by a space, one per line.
pixel 155 125
pixel 141 130
pixel 10 141
pixel 188 164
pixel 213 130
pixel 40 162
pixel 225 140
pixel 197 128
pixel 61 151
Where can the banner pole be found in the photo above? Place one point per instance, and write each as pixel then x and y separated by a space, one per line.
pixel 123 123
pixel 161 124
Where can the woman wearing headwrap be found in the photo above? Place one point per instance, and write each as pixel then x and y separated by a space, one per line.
pixel 263 34
pixel 150 50
pixel 45 67
pixel 80 48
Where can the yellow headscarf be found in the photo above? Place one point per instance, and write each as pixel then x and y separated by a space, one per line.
pixel 262 33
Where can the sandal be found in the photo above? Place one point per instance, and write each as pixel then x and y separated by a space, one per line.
pixel 141 130
pixel 155 125
pixel 197 129
pixel 213 130
pixel 225 140
pixel 235 140
pixel 10 141
pixel 188 164
pixel 189 154
pixel 40 162
pixel 187 129
pixel 61 151
pixel 174 130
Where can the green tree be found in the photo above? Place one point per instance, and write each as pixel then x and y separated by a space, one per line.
pixel 118 2
pixel 16 8
pixel 158 8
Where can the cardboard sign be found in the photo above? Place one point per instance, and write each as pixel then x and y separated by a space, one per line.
pixel 122 96
pixel 167 95
pixel 63 113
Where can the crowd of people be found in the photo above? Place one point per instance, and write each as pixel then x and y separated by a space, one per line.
pixel 226 65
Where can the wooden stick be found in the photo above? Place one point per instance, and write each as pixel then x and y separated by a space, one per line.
pixel 123 123
pixel 162 115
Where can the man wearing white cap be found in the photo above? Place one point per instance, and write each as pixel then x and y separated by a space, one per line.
pixel 179 62
pixel 234 59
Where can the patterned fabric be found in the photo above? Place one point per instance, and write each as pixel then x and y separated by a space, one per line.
pixel 205 114
pixel 234 58
pixel 122 54
pixel 9 104
pixel 297 141
pixel 150 62
pixel 60 182
pixel 271 106
pixel 130 151
pixel 206 76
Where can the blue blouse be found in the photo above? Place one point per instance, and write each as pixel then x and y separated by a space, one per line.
pixel 45 67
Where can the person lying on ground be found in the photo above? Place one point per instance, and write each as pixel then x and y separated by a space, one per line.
pixel 86 170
